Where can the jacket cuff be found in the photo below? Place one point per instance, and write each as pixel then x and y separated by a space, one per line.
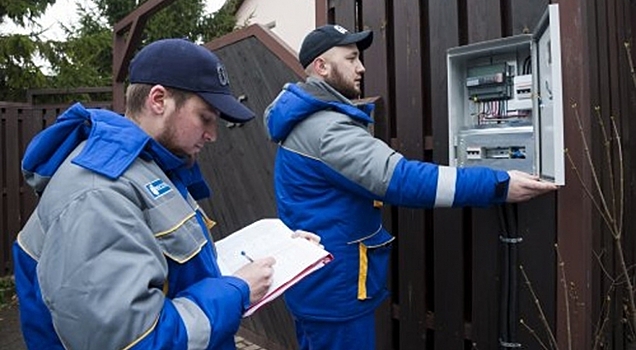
pixel 243 287
pixel 501 186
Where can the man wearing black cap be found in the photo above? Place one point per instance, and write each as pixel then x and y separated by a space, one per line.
pixel 331 177
pixel 117 253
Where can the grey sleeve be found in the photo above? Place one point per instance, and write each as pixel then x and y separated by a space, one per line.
pixel 101 269
pixel 352 151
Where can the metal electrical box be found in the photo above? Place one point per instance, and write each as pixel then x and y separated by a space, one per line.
pixel 505 102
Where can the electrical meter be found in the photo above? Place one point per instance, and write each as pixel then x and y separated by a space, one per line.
pixel 505 102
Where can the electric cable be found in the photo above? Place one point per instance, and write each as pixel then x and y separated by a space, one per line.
pixel 504 297
pixel 527 69
pixel 508 314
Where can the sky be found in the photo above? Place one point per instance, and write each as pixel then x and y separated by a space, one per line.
pixel 65 12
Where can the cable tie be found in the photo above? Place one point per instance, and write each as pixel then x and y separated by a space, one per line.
pixel 510 240
pixel 509 345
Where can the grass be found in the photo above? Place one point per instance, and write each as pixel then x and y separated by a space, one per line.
pixel 7 292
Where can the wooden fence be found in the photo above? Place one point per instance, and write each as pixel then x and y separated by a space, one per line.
pixel 19 122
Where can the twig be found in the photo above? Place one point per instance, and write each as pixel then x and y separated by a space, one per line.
pixel 533 334
pixel 600 263
pixel 607 142
pixel 537 303
pixel 593 171
pixel 566 296
pixel 631 63
pixel 621 165
pixel 605 310
pixel 587 191
pixel 630 285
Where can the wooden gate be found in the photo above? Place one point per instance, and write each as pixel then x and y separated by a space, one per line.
pixel 239 166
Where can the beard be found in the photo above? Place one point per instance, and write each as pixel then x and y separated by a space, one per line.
pixel 168 140
pixel 348 89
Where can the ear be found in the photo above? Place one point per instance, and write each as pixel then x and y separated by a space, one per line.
pixel 321 66
pixel 156 101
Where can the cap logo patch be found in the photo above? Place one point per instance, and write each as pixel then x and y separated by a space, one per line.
pixel 223 78
pixel 341 29
pixel 157 188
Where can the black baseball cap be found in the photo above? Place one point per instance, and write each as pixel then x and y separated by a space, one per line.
pixel 184 65
pixel 325 37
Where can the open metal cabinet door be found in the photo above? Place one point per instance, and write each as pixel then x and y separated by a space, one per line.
pixel 549 96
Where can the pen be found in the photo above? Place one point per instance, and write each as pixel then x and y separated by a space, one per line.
pixel 247 256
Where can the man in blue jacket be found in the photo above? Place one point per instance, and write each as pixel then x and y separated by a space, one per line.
pixel 330 171
pixel 117 253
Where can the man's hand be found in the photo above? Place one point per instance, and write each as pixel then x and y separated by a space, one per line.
pixel 523 186
pixel 259 276
pixel 311 237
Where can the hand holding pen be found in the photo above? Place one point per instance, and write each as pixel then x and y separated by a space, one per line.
pixel 258 274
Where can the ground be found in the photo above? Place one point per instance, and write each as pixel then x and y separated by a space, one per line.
pixel 11 338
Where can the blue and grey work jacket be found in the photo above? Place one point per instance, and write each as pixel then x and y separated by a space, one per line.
pixel 330 175
pixel 117 253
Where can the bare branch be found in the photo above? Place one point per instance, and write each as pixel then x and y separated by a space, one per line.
pixel 605 310
pixel 630 285
pixel 621 188
pixel 593 171
pixel 588 192
pixel 605 272
pixel 631 63
pixel 607 143
pixel 566 297
pixel 537 303
pixel 533 334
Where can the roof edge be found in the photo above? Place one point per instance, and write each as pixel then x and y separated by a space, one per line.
pixel 272 41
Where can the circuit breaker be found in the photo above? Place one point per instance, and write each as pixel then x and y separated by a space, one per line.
pixel 505 102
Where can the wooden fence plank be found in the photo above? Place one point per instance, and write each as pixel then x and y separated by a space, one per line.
pixel 4 258
pixel 574 222
pixel 484 20
pixel 537 255
pixel 627 98
pixel 345 14
pixel 606 104
pixel 485 294
pixel 594 28
pixel 31 124
pixel 484 227
pixel 483 275
pixel 377 59
pixel 12 178
pixel 409 114
pixel 376 83
pixel 627 126
pixel 450 261
pixel 524 15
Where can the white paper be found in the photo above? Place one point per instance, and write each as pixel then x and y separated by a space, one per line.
pixel 295 257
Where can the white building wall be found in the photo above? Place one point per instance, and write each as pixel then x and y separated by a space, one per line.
pixel 291 20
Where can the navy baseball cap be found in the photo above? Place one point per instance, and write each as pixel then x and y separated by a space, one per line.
pixel 325 37
pixel 184 65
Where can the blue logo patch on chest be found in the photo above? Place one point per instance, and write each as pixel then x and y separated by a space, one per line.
pixel 158 188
